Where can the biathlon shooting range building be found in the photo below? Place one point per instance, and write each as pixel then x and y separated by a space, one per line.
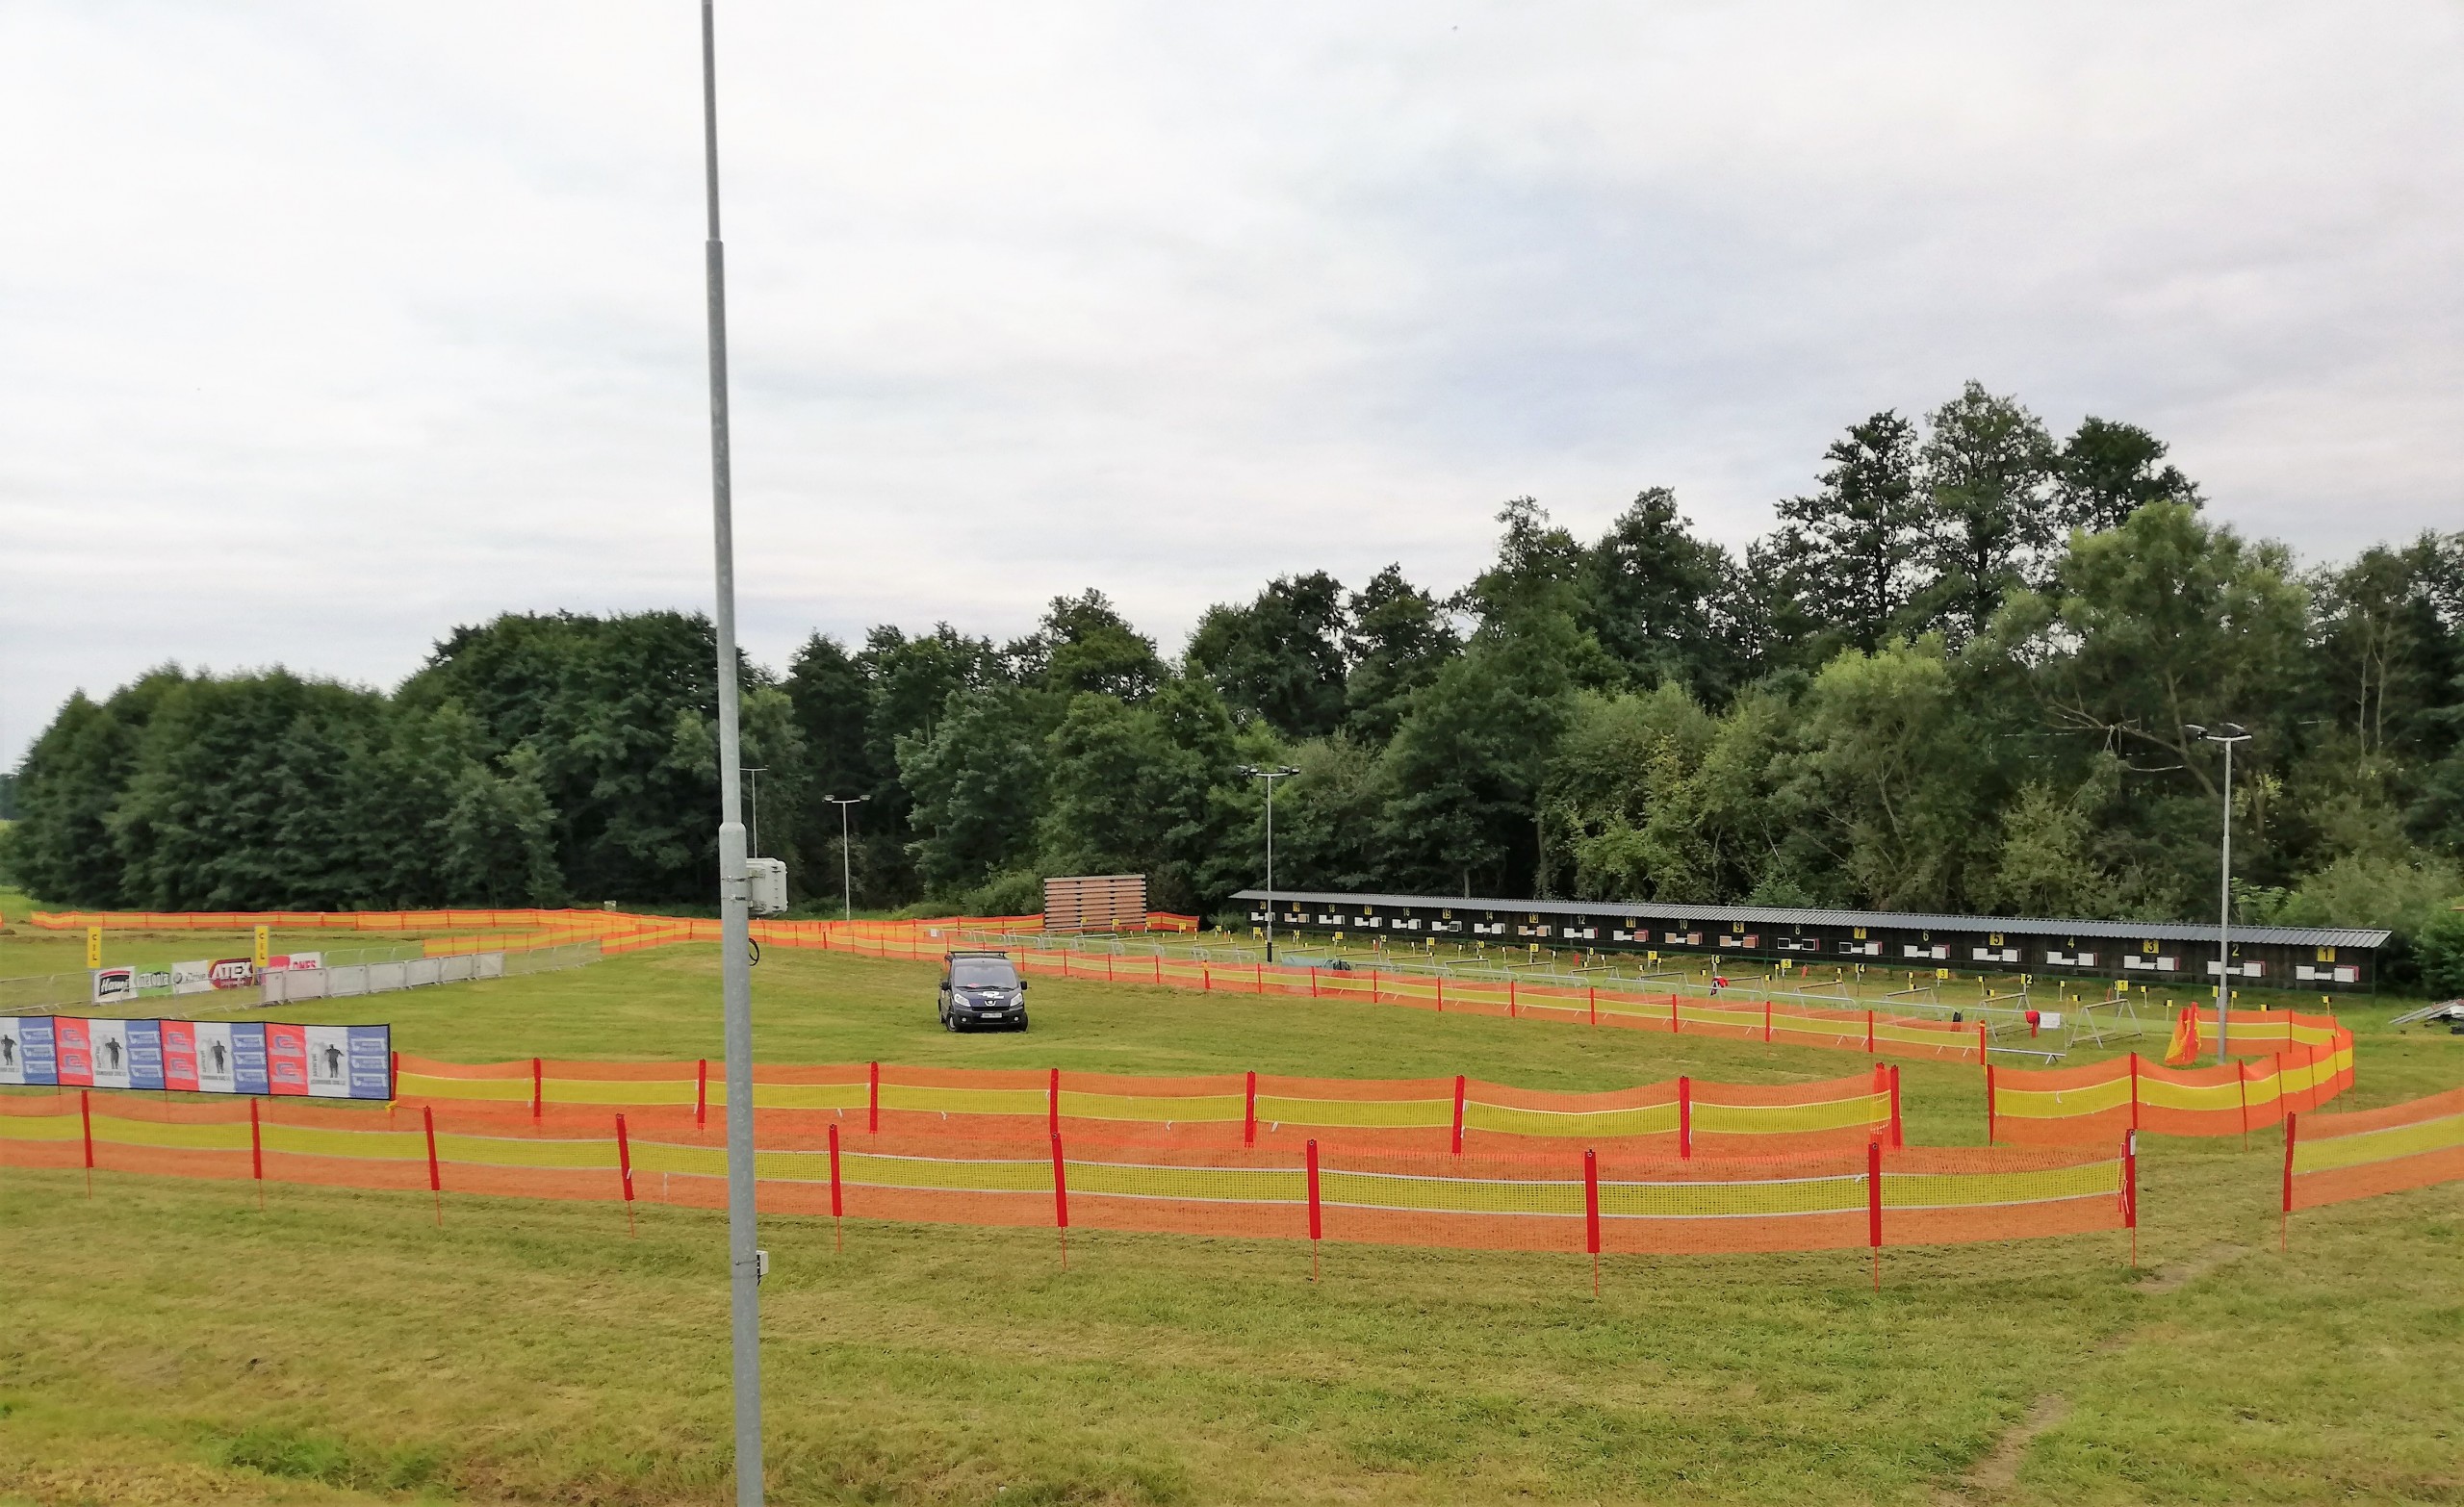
pixel 2324 959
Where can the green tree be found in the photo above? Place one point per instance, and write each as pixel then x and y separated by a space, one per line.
pixel 1084 643
pixel 1842 563
pixel 1141 789
pixel 2108 471
pixel 1899 757
pixel 68 782
pixel 1398 639
pixel 1281 655
pixel 1988 522
pixel 977 782
pixel 1656 599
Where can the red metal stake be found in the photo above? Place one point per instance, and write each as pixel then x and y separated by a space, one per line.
pixel 1458 1114
pixel 873 1099
pixel 700 1092
pixel 256 1155
pixel 1061 1201
pixel 538 1089
pixel 1249 1112
pixel 1874 1205
pixel 1317 1228
pixel 625 1173
pixel 838 1201
pixel 1684 1116
pixel 1591 1212
pixel 435 1179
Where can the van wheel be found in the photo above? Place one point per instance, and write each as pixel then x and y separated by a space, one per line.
pixel 1022 1022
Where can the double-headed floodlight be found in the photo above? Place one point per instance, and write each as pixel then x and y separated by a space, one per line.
pixel 1270 775
pixel 846 865
pixel 2226 733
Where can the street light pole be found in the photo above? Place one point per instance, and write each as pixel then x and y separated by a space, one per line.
pixel 754 771
pixel 1270 775
pixel 2226 733
pixel 735 972
pixel 846 864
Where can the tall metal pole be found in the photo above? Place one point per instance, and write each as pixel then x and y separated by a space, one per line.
pixel 2224 915
pixel 736 974
pixel 846 861
pixel 1270 870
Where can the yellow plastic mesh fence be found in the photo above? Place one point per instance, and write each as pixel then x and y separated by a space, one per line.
pixel 2296 1063
pixel 2330 1158
pixel 1569 1198
pixel 1732 1017
pixel 1680 1117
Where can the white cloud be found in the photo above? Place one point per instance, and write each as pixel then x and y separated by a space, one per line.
pixel 323 328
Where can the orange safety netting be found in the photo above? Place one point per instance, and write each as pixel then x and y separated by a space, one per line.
pixel 2329 1158
pixel 2307 1061
pixel 1734 1017
pixel 1678 1117
pixel 1567 1199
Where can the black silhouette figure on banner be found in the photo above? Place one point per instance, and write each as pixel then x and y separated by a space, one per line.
pixel 111 1053
pixel 222 1060
pixel 333 1056
pixel 7 1051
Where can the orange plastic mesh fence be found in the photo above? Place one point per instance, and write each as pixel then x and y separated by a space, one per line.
pixel 1732 1017
pixel 1479 1199
pixel 2309 1062
pixel 1679 1118
pixel 2336 1156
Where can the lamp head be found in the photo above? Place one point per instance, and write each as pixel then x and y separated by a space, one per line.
pixel 2195 729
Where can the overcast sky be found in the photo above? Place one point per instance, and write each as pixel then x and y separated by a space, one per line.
pixel 325 327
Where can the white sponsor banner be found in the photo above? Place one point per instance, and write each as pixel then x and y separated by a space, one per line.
pixel 328 1062
pixel 109 1042
pixel 295 963
pixel 12 1051
pixel 213 1057
pixel 192 978
pixel 115 985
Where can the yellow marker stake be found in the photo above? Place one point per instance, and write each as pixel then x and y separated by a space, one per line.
pixel 93 947
pixel 264 938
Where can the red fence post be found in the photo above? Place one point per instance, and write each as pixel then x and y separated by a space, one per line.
pixel 538 1089
pixel 2130 1192
pixel 1673 1027
pixel 1684 1115
pixel 2134 1090
pixel 435 1177
pixel 702 1092
pixel 1317 1228
pixel 1869 1032
pixel 1511 1009
pixel 1052 1104
pixel 873 1099
pixel 1595 1003
pixel 1458 1114
pixel 1249 1112
pixel 1061 1201
pixel 1591 1212
pixel 837 1198
pixel 256 1154
pixel 625 1171
pixel 1441 996
pixel 1767 1022
pixel 85 1119
pixel 1313 982
pixel 1896 1139
pixel 393 1075
pixel 2284 1221
pixel 1983 1051
pixel 2242 1081
pixel 1874 1207
pixel 1989 1104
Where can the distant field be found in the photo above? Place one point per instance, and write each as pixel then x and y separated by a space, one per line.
pixel 168 1343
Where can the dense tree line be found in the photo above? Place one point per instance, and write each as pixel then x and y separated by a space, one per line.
pixel 1958 674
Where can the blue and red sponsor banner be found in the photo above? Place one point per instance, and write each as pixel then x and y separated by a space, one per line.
pixel 250 1056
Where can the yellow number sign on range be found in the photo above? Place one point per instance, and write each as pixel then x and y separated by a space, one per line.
pixel 265 950
pixel 93 947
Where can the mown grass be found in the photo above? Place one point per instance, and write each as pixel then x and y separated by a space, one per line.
pixel 168 1341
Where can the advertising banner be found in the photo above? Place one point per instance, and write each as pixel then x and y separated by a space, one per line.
pixel 107 1053
pixel 75 1052
pixel 192 978
pixel 198 1056
pixel 232 973
pixel 287 1058
pixel 112 986
pixel 26 1052
pixel 293 963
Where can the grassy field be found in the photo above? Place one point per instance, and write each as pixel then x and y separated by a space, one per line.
pixel 167 1341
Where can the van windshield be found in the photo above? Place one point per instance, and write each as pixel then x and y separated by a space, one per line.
pixel 982 973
